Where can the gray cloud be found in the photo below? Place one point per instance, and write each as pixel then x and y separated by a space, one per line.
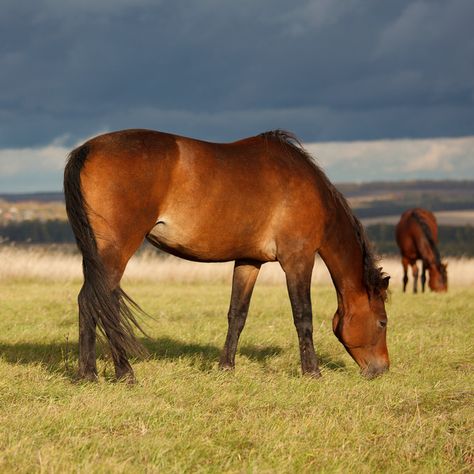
pixel 328 70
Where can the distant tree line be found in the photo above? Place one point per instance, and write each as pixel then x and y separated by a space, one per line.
pixel 37 232
pixel 56 196
pixel 454 240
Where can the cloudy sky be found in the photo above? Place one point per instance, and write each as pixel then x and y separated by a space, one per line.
pixel 369 81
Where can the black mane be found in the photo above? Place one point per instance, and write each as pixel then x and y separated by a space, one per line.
pixel 429 236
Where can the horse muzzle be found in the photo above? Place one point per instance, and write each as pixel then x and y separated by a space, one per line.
pixel 374 369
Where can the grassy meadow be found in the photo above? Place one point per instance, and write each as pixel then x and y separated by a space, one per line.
pixel 186 416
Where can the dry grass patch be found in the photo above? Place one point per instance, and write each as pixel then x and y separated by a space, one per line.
pixel 43 264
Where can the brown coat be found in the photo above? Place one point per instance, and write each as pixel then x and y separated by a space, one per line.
pixel 417 239
pixel 256 200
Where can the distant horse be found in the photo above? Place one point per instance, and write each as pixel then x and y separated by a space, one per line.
pixel 257 200
pixel 417 238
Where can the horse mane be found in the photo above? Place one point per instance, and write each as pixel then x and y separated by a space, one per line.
pixel 428 234
pixel 373 277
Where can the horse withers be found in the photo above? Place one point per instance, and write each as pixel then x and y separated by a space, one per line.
pixel 417 239
pixel 257 200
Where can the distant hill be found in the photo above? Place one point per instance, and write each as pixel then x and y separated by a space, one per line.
pixel 377 187
pixel 385 201
pixel 38 197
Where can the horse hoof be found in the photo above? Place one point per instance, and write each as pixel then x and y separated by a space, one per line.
pixel 127 378
pixel 87 377
pixel 314 374
pixel 225 366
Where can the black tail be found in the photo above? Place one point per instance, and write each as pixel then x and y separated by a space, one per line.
pixel 429 236
pixel 109 309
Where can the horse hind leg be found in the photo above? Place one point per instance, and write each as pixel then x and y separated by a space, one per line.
pixel 118 326
pixel 103 303
pixel 414 269
pixel 87 333
pixel 298 278
pixel 243 282
pixel 405 273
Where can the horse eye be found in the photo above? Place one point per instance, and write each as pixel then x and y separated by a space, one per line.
pixel 383 323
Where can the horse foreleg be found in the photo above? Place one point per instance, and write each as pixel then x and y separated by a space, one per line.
pixel 414 269
pixel 405 273
pixel 298 279
pixel 243 282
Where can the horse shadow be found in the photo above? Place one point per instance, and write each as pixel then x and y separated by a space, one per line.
pixel 61 357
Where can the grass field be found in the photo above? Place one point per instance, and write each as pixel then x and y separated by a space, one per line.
pixel 186 416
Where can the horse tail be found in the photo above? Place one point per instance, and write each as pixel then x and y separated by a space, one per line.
pixel 428 235
pixel 99 305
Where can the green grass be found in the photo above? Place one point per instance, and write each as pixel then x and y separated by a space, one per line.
pixel 186 416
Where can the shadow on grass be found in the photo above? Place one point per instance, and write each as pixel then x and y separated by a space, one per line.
pixel 61 358
pixel 56 357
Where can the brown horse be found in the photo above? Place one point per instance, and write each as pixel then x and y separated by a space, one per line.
pixel 256 200
pixel 417 238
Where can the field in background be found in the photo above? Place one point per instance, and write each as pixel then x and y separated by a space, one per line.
pixel 46 264
pixel 186 416
pixel 29 208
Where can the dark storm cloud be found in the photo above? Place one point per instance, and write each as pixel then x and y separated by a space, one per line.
pixel 328 70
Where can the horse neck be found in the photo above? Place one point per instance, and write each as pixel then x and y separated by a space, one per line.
pixel 429 255
pixel 428 251
pixel 343 255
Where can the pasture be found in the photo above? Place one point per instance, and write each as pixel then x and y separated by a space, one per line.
pixel 186 416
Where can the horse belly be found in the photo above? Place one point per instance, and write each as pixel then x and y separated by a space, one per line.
pixel 216 244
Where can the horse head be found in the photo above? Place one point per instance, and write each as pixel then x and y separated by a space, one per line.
pixel 362 329
pixel 438 277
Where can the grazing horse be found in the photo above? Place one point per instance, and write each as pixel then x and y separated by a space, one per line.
pixel 417 238
pixel 256 200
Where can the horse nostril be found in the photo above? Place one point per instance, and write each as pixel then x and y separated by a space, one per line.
pixel 383 323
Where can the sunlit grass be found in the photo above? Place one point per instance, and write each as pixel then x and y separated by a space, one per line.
pixel 186 416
